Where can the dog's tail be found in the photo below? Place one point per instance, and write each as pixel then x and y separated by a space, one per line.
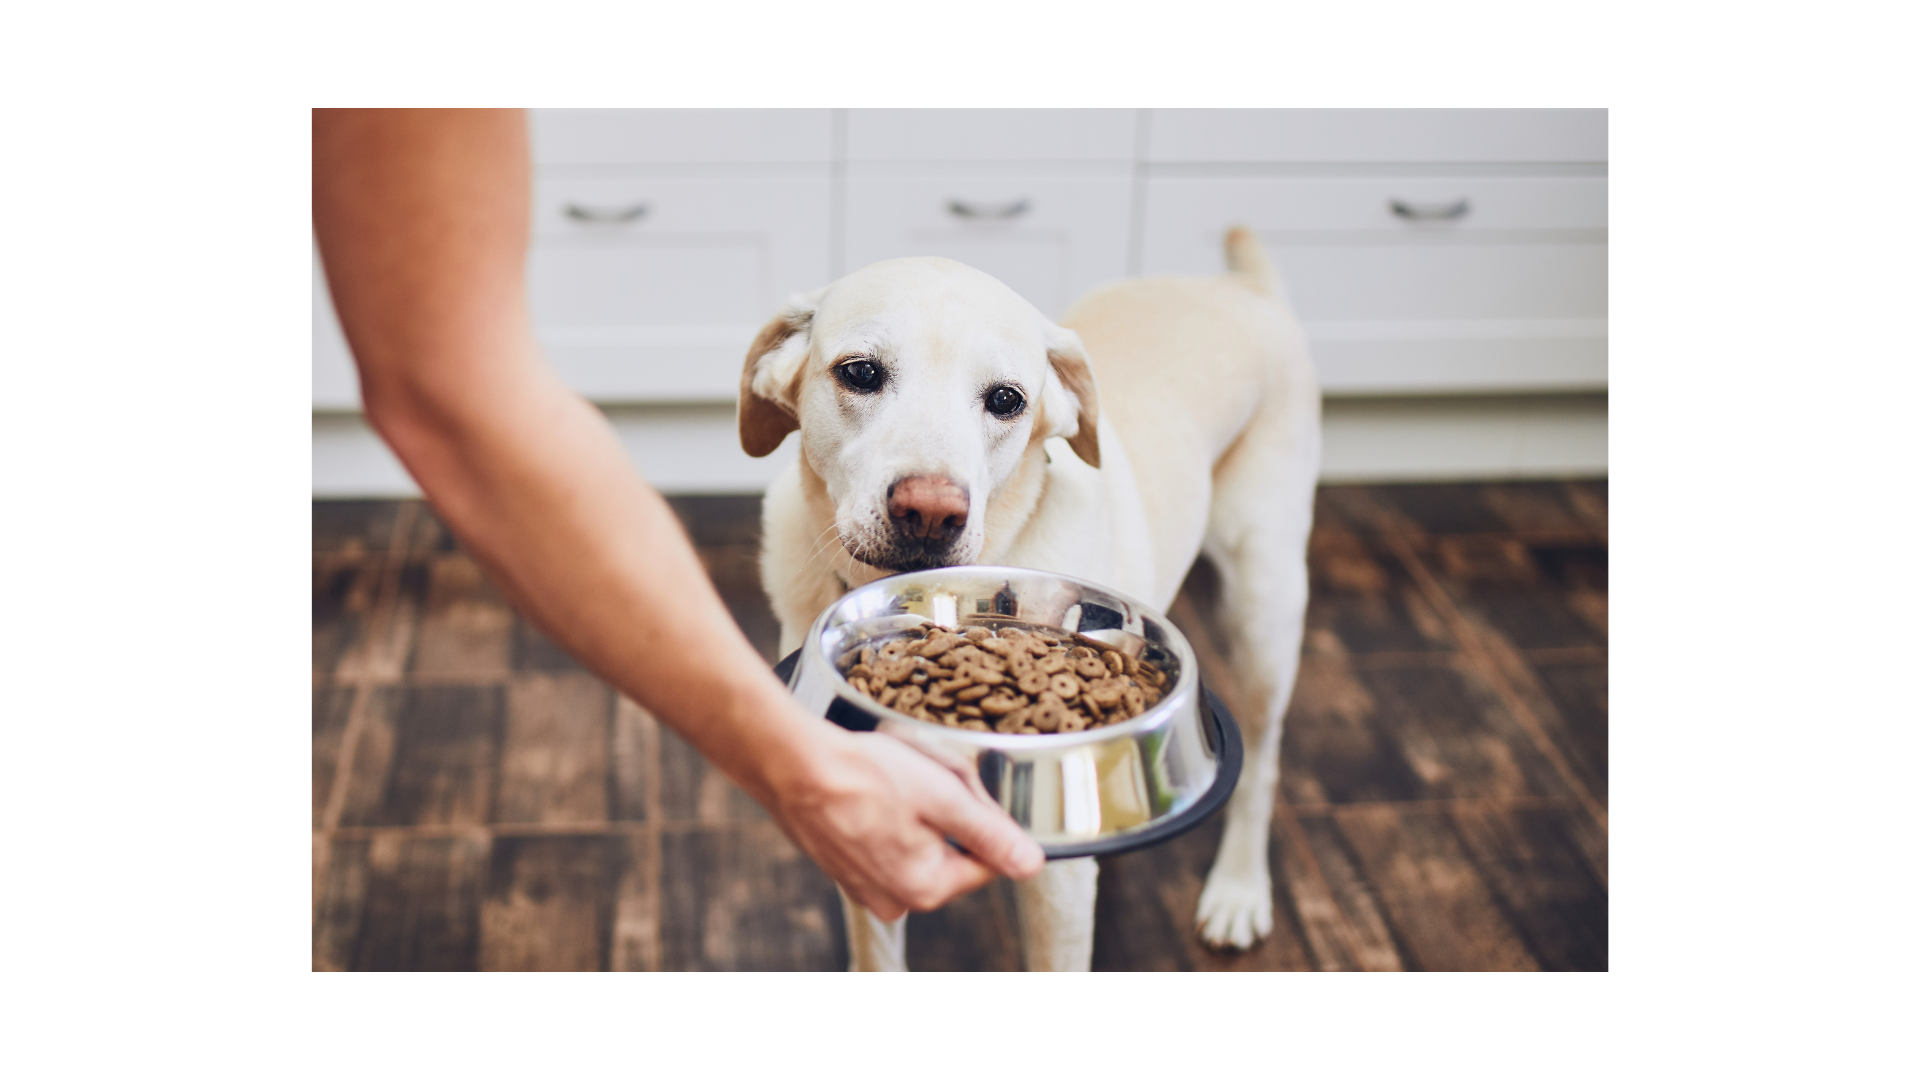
pixel 1246 256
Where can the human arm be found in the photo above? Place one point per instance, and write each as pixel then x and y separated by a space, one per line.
pixel 422 222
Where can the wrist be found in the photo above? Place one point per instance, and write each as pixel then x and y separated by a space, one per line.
pixel 790 762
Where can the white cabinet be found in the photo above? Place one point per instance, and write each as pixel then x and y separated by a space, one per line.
pixel 1415 283
pixel 1345 136
pixel 1049 237
pixel 1039 198
pixel 646 288
pixel 1030 135
pixel 573 137
pixel 664 238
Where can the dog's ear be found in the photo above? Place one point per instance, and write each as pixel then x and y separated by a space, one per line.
pixel 770 381
pixel 1072 406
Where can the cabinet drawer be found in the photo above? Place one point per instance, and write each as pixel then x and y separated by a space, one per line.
pixel 1512 295
pixel 991 134
pixel 1183 211
pixel 1376 135
pixel 651 289
pixel 680 136
pixel 1049 238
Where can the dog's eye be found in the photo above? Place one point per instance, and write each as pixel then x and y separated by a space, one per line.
pixel 861 375
pixel 1005 401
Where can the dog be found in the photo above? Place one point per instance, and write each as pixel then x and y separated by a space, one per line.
pixel 944 421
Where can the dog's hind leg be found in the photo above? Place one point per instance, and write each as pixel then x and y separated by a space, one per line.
pixel 1256 537
pixel 1056 916
pixel 873 943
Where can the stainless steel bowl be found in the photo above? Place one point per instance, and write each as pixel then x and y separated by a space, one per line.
pixel 1093 792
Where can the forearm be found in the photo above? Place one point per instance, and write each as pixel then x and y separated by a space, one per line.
pixel 422 223
pixel 421 220
pixel 539 490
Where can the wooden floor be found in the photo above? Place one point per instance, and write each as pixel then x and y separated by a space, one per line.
pixel 480 802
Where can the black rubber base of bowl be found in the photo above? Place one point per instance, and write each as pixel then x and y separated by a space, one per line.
pixel 1222 731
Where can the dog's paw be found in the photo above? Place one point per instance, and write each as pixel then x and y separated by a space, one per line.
pixel 1235 912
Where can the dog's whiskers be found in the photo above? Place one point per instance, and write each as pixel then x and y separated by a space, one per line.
pixel 822 544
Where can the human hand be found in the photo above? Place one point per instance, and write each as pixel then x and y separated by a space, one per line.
pixel 875 814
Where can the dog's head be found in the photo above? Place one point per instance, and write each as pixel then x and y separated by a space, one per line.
pixel 917 386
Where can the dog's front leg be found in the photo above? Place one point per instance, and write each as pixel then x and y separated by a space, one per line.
pixel 874 943
pixel 1056 916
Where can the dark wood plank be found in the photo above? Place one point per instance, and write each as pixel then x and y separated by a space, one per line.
pixel 550 903
pixel 1579 692
pixel 554 760
pixel 1445 916
pixel 331 707
pixel 716 520
pixel 1569 700
pixel 1546 506
pixel 1332 746
pixel 691 789
pixel 1357 935
pixel 636 907
pixel 1534 867
pixel 975 932
pixel 465 625
pixel 1536 596
pixel 385 634
pixel 1143 915
pixel 633 741
pixel 742 898
pixel 427 755
pixel 339 901
pixel 422 907
pixel 344 594
pixel 1413 733
pixel 735 570
pixel 1361 599
pixel 429 535
pixel 1441 509
pixel 353 526
pixel 1588 499
pixel 533 650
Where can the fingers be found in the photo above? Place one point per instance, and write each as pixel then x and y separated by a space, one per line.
pixel 955 875
pixel 987 833
pixel 959 875
pixel 946 804
pixel 881 829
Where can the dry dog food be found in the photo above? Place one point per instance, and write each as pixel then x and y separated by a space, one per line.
pixel 1015 681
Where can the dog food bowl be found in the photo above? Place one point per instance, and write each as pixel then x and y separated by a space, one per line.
pixel 1095 792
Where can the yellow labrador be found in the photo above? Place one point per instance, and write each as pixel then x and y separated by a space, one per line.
pixel 943 420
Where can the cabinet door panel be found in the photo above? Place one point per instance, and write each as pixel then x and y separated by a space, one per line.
pixel 1070 236
pixel 1512 295
pixel 1444 281
pixel 649 289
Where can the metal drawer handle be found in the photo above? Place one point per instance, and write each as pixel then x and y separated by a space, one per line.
pixel 607 215
pixel 982 212
pixel 1429 211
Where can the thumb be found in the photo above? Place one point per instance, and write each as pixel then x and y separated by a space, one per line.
pixel 988 834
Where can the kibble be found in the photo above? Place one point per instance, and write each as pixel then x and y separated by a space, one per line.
pixel 1013 681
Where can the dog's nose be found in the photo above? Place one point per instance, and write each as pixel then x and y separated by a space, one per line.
pixel 927 508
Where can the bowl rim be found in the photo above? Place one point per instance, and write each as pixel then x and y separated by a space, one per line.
pixel 1159 714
